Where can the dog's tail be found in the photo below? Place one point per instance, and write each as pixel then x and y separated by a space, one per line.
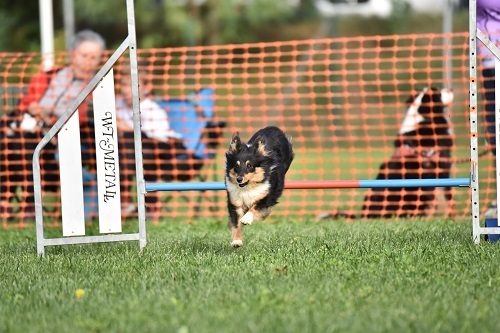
pixel 292 154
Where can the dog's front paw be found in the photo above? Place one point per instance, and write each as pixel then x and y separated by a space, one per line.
pixel 237 243
pixel 247 218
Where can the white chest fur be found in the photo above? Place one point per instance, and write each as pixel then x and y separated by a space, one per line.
pixel 247 196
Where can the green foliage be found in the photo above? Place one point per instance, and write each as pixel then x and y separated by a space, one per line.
pixel 162 23
pixel 19 27
pixel 168 22
pixel 402 21
pixel 292 276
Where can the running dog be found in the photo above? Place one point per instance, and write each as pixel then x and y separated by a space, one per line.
pixel 255 177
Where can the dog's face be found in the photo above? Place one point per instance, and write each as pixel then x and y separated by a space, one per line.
pixel 245 165
pixel 431 100
pixel 426 104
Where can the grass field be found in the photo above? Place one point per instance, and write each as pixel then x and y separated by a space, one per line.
pixel 291 276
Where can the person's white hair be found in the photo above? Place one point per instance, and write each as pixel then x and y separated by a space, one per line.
pixel 87 36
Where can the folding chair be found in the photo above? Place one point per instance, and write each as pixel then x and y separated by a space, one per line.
pixel 193 118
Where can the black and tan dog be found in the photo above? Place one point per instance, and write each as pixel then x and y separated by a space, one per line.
pixel 255 177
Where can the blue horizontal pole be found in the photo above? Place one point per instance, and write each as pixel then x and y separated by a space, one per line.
pixel 391 183
pixel 377 183
pixel 194 186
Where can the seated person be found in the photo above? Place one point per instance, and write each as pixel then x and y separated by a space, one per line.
pixel 165 156
pixel 48 97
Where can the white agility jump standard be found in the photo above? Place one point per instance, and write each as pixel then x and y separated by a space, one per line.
pixel 474 34
pixel 108 181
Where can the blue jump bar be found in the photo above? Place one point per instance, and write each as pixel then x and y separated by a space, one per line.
pixel 439 182
pixel 377 183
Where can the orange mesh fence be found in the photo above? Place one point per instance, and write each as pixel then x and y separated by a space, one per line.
pixel 346 103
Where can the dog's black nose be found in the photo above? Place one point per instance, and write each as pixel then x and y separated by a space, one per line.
pixel 239 179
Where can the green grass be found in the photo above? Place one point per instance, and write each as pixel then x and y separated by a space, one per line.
pixel 291 276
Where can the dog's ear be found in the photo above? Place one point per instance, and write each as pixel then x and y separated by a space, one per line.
pixel 235 145
pixel 425 92
pixel 260 146
pixel 411 99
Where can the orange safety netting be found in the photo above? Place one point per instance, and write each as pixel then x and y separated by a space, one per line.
pixel 342 100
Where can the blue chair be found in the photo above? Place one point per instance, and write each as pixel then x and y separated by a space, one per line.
pixel 192 118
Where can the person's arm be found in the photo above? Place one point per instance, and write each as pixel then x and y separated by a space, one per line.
pixel 36 89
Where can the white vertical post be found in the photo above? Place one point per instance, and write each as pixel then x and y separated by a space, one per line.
pixel 134 78
pixel 69 22
pixel 447 29
pixel 473 118
pixel 108 170
pixel 70 165
pixel 47 33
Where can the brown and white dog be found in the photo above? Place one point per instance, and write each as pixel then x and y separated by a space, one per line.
pixel 255 177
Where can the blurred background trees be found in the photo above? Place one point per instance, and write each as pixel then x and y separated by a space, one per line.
pixel 162 23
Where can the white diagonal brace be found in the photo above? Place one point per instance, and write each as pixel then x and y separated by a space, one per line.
pixel 488 43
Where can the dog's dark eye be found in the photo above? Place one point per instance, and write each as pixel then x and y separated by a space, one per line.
pixel 249 166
